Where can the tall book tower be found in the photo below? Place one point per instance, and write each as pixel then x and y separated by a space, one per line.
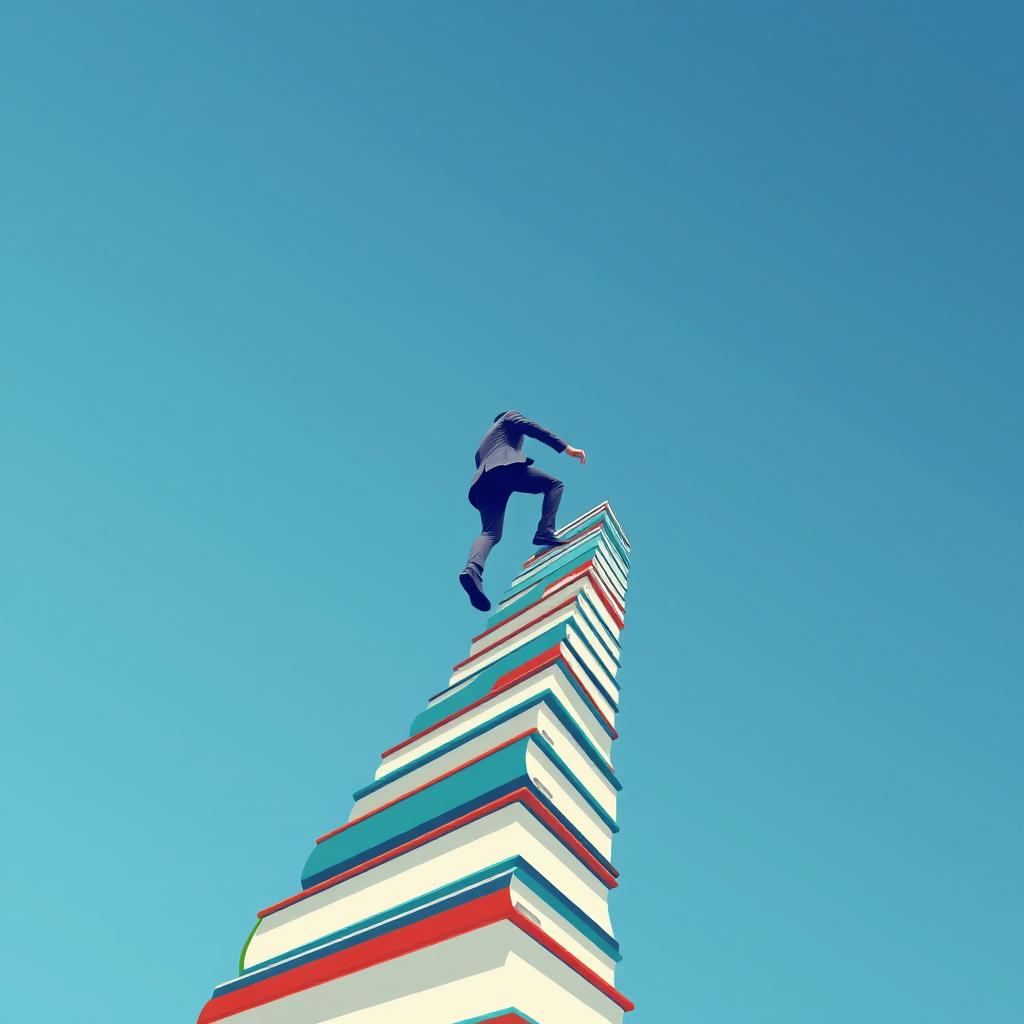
pixel 470 883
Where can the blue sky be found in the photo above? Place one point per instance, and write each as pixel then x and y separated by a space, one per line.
pixel 268 272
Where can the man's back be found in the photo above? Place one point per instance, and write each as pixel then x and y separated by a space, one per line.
pixel 502 445
pixel 499 434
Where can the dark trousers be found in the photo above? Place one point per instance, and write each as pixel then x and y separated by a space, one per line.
pixel 492 494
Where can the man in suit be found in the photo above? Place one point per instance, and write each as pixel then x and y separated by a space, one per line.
pixel 501 470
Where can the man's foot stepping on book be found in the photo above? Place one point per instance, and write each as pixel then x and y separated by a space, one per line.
pixel 473 584
pixel 548 540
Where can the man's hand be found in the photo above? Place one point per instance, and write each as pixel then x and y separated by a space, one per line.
pixel 576 453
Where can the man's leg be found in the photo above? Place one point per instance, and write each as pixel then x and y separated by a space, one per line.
pixel 493 502
pixel 532 480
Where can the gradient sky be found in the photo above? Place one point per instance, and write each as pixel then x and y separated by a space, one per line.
pixel 268 271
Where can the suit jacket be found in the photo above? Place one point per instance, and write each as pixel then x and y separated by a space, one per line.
pixel 502 445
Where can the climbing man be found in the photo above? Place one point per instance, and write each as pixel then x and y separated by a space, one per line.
pixel 501 469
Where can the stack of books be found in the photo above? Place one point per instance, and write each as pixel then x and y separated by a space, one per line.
pixel 470 883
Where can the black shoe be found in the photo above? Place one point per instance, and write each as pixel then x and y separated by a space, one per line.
pixel 474 586
pixel 548 540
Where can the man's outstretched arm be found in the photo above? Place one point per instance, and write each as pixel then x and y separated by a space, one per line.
pixel 535 430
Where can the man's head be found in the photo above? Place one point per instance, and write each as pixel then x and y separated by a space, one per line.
pixel 498 417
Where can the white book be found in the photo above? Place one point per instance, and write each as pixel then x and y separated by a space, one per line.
pixel 556 583
pixel 497 971
pixel 578 756
pixel 573 601
pixel 497 838
pixel 551 678
pixel 575 598
pixel 550 565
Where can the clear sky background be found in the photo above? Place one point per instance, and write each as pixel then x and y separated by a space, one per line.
pixel 269 270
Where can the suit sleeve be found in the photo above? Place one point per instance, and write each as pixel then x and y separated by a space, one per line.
pixel 535 430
